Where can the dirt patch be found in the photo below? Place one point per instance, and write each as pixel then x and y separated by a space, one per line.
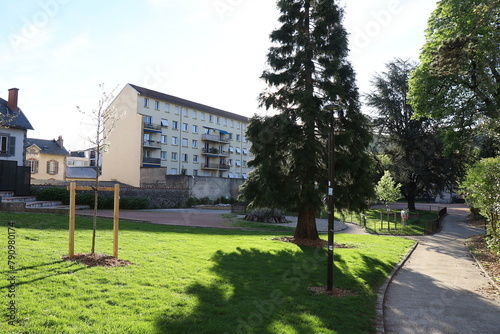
pixel 335 291
pixel 319 243
pixel 97 260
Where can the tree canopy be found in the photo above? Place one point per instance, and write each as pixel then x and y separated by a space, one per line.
pixel 458 80
pixel 307 70
pixel 413 144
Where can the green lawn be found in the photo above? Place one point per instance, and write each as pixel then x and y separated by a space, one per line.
pixel 378 221
pixel 189 280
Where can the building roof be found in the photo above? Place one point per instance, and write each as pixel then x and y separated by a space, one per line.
pixel 186 103
pixel 13 119
pixel 47 146
pixel 80 172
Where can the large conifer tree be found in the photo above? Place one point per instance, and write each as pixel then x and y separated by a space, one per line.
pixel 308 69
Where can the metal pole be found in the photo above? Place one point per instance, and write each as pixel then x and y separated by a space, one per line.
pixel 331 206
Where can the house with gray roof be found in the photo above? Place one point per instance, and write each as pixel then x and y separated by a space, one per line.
pixel 46 159
pixel 14 126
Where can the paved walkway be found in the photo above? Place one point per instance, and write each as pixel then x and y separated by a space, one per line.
pixel 440 289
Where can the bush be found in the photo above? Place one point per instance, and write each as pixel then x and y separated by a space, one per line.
pixel 133 203
pixel 52 194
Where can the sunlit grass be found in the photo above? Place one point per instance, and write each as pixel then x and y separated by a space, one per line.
pixel 189 280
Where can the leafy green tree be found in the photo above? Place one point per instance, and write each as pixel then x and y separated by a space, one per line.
pixel 387 190
pixel 481 186
pixel 413 144
pixel 308 69
pixel 458 80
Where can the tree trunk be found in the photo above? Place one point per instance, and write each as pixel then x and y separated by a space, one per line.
pixel 411 203
pixel 306 225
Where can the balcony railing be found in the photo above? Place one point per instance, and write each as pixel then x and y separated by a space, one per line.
pixel 152 144
pixel 152 127
pixel 214 138
pixel 215 151
pixel 215 166
pixel 151 161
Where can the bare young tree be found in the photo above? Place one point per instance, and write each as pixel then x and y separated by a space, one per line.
pixel 103 119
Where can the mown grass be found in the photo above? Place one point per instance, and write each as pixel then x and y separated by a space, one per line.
pixel 381 221
pixel 189 280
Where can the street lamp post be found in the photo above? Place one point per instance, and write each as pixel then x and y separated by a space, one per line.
pixel 331 206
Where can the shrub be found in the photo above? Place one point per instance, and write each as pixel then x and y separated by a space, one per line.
pixel 133 203
pixel 52 194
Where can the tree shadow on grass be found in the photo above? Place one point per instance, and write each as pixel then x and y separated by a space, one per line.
pixel 268 292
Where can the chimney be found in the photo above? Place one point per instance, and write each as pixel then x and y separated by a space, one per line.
pixel 60 142
pixel 13 99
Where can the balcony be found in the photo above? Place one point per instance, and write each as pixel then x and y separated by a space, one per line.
pixel 214 166
pixel 151 162
pixel 149 127
pixel 214 152
pixel 214 138
pixel 152 145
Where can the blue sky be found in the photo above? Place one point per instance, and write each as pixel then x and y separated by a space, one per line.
pixel 57 52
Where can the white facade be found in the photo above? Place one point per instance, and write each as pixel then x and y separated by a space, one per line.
pixel 183 137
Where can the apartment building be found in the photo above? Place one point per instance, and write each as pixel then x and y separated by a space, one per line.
pixel 182 137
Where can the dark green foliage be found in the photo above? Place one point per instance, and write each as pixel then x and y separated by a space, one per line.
pixel 87 198
pixel 308 69
pixel 458 80
pixel 52 194
pixel 414 145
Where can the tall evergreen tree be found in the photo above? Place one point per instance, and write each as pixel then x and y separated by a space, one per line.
pixel 414 145
pixel 308 69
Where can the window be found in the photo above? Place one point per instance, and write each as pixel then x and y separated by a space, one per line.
pixel 195 128
pixel 147 138
pixel 224 121
pixel 244 139
pixel 237 175
pixel 148 120
pixel 157 105
pixel 173 171
pixel 244 175
pixel 163 155
pixel 210 118
pixel 194 113
pixel 231 123
pixel 7 145
pixel 146 102
pixel 175 125
pixel 33 164
pixel 230 136
pixel 163 139
pixel 176 110
pixel 185 127
pixel 218 120
pixel 202 116
pixel 237 137
pixel 237 125
pixel 245 151
pixel 184 142
pixel 195 143
pixel 244 163
pixel 195 158
pixel 175 141
pixel 184 112
pixel 164 123
pixel 185 157
pixel 238 163
pixel 174 156
pixel 52 167
pixel 195 172
pixel 231 149
pixel 229 162
pixel 238 150
pixel 167 107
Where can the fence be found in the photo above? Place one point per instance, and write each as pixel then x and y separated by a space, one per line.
pixel 390 222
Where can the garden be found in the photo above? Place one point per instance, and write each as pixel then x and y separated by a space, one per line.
pixel 189 280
